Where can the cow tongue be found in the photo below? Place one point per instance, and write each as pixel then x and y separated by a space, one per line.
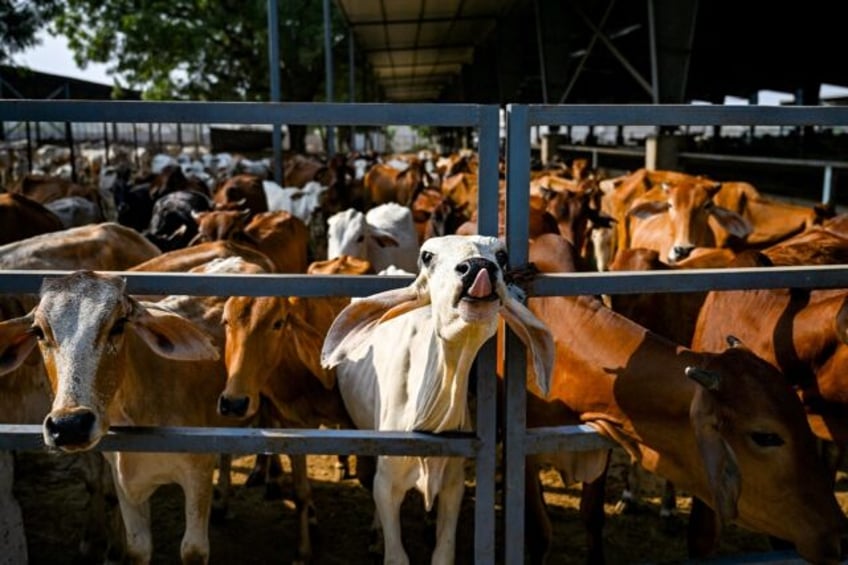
pixel 482 286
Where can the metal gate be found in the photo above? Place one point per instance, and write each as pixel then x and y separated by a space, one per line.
pixel 479 445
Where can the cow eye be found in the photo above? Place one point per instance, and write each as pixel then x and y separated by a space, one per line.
pixel 360 239
pixel 118 327
pixel 278 324
pixel 426 258
pixel 502 258
pixel 767 439
pixel 37 332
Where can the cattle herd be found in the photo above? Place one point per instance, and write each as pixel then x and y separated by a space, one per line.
pixel 736 398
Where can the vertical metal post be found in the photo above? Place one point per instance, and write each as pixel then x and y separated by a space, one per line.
pixel 274 69
pixel 351 63
pixel 540 47
pixel 328 71
pixel 69 138
pixel 135 144
pixel 515 394
pixel 106 142
pixel 487 213
pixel 29 146
pixel 652 35
pixel 827 187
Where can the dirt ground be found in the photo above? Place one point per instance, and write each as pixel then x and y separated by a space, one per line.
pixel 260 532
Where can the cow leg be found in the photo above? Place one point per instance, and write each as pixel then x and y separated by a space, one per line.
pixel 366 468
pixel 703 530
pixel 343 468
pixel 136 516
pixel 100 534
pixel 12 537
pixel 306 515
pixel 593 516
pixel 449 505
pixel 198 490
pixel 668 508
pixel 539 532
pixel 388 497
pixel 628 502
pixel 223 489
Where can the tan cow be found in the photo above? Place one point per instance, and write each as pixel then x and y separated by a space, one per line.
pixel 725 427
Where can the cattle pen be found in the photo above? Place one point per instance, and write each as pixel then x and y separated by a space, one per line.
pixel 481 444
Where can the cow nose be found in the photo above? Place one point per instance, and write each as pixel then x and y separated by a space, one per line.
pixel 70 429
pixel 469 268
pixel 679 252
pixel 229 406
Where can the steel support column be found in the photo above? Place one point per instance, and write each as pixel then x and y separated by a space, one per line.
pixel 274 70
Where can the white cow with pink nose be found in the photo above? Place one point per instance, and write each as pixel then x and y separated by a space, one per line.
pixel 402 360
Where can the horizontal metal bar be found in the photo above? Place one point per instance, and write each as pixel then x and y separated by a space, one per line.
pixel 621 282
pixel 774 161
pixel 203 284
pixel 307 113
pixel 565 438
pixel 686 114
pixel 690 280
pixel 258 440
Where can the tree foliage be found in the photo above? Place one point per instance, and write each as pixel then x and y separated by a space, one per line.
pixel 200 49
pixel 20 22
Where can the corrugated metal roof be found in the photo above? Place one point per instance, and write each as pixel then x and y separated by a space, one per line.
pixel 417 47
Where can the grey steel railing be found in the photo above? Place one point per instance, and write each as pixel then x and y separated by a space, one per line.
pixel 480 444
pixel 519 442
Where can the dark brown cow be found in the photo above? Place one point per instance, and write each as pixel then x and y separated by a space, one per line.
pixel 241 192
pixel 22 217
pixel 724 426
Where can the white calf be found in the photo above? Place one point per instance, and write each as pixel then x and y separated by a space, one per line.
pixel 402 359
pixel 384 236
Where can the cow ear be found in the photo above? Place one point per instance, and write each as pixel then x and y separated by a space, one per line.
pixel 647 208
pixel 383 238
pixel 535 336
pixel 722 470
pixel 735 224
pixel 171 336
pixel 308 342
pixel 16 342
pixel 353 325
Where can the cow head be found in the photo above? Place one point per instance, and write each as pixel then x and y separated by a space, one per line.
pixel 268 337
pixel 689 206
pixel 758 454
pixel 79 325
pixel 461 279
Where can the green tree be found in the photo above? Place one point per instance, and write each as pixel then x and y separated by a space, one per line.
pixel 19 23
pixel 202 49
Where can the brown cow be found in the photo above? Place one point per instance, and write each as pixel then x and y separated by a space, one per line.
pixel 22 217
pixel 279 235
pixel 384 183
pixel 733 433
pixel 241 192
pixel 182 260
pixel 273 349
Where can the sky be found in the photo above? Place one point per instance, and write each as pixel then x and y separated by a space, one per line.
pixel 53 56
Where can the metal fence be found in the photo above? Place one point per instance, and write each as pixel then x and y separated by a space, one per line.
pixel 480 444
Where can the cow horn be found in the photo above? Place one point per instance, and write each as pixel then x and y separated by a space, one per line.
pixel 733 341
pixel 708 379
